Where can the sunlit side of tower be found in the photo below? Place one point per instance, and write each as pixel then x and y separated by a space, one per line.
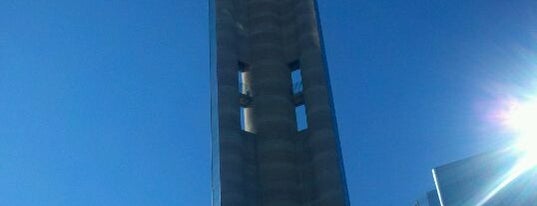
pixel 267 68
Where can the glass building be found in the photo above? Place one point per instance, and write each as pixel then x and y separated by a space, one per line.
pixel 431 199
pixel 494 178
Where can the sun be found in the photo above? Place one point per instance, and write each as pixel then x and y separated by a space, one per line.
pixel 521 119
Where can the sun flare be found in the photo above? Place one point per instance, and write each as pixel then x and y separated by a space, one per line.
pixel 521 119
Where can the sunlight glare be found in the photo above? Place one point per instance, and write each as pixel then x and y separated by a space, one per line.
pixel 521 118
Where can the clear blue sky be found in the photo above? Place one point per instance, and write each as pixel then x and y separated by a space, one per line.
pixel 107 102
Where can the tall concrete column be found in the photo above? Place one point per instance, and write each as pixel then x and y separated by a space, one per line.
pixel 272 116
pixel 268 162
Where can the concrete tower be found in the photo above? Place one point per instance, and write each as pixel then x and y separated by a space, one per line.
pixel 267 65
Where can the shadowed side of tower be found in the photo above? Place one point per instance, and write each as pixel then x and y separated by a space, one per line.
pixel 260 154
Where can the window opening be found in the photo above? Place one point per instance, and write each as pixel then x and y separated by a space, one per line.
pixel 241 82
pixel 243 88
pixel 296 77
pixel 243 119
pixel 301 118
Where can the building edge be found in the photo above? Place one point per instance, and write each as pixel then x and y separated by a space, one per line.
pixel 215 148
pixel 331 101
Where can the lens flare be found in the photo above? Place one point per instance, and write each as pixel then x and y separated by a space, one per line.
pixel 521 119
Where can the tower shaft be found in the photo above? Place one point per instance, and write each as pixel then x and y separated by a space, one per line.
pixel 260 154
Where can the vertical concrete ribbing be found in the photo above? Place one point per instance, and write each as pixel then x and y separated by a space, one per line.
pixel 272 117
pixel 231 163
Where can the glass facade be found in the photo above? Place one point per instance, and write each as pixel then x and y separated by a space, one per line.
pixel 487 179
pixel 431 199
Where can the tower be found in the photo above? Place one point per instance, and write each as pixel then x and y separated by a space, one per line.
pixel 275 140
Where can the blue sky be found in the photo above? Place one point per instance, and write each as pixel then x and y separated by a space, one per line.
pixel 107 102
